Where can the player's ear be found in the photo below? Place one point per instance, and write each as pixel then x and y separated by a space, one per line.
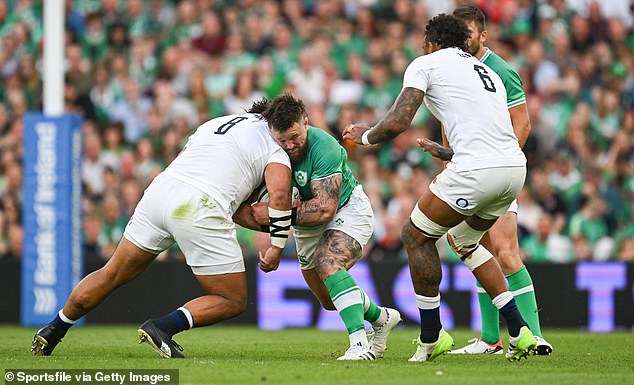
pixel 483 36
pixel 427 47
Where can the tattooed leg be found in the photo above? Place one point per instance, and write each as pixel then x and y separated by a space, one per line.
pixel 335 254
pixel 424 263
pixel 336 251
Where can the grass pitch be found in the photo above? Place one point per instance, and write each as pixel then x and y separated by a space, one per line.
pixel 246 355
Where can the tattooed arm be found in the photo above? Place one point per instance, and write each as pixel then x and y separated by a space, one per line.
pixel 397 119
pixel 323 206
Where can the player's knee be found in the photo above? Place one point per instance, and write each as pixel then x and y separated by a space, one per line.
pixel 465 241
pixel 510 263
pixel 237 306
pixel 325 269
pixel 497 242
pixel 506 252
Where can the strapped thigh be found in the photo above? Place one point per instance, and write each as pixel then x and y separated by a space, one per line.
pixel 425 225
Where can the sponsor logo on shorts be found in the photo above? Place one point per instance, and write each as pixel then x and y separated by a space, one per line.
pixel 339 221
pixel 303 260
pixel 462 203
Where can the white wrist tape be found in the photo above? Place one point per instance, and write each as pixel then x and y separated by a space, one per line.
pixel 280 226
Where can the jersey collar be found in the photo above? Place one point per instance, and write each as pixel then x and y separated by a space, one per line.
pixel 486 54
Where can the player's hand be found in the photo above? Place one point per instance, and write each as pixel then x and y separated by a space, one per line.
pixel 261 213
pixel 436 150
pixel 355 131
pixel 270 261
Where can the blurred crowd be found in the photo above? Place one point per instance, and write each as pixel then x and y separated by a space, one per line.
pixel 144 73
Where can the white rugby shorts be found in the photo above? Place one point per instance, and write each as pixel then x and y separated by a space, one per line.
pixel 487 192
pixel 355 219
pixel 172 211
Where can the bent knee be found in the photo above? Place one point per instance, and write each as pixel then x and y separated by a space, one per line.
pixel 237 306
pixel 506 250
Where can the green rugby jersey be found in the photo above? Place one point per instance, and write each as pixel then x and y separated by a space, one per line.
pixel 512 81
pixel 325 157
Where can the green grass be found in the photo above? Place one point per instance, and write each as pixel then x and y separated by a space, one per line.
pixel 246 355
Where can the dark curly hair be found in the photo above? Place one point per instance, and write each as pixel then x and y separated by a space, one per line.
pixel 447 31
pixel 283 111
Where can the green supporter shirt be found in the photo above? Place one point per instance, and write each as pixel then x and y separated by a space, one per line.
pixel 535 249
pixel 325 158
pixel 511 79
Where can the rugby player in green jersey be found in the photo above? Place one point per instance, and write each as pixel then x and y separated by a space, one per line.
pixel 333 222
pixel 501 239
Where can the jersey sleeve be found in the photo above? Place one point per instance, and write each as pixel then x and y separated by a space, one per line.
pixel 329 159
pixel 279 156
pixel 417 74
pixel 514 91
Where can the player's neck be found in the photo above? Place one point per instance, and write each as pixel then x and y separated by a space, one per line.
pixel 481 52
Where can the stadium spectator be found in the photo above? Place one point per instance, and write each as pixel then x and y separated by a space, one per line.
pixel 112 226
pixel 15 238
pixel 212 39
pixel 93 165
pixel 244 93
pixel 113 145
pixel 132 111
pixel 546 244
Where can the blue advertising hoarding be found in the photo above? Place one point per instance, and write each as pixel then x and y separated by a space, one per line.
pixel 51 259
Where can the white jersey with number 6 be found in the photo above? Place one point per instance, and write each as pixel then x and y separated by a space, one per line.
pixel 469 99
pixel 226 157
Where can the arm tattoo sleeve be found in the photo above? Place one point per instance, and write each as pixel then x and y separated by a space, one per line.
pixel 399 117
pixel 324 204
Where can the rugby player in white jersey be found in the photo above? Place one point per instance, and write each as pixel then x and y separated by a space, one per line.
pixel 501 239
pixel 485 174
pixel 192 203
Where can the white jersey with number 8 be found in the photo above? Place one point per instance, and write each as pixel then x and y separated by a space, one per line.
pixel 226 157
